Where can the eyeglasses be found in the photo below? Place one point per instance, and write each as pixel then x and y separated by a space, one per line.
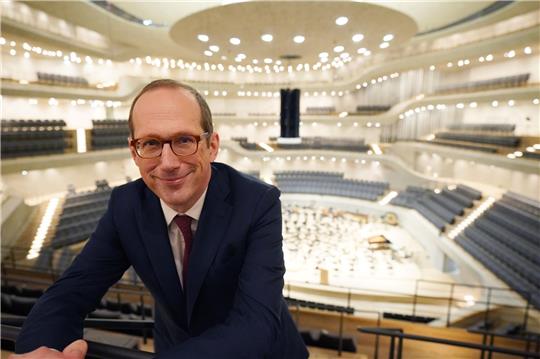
pixel 181 145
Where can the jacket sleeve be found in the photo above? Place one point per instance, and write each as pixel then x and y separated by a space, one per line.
pixel 57 318
pixel 253 323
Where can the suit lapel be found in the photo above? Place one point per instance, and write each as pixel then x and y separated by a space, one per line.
pixel 155 236
pixel 210 231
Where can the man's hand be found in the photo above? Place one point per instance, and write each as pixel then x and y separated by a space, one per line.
pixel 76 350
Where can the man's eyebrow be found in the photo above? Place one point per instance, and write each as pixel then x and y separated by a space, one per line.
pixel 182 133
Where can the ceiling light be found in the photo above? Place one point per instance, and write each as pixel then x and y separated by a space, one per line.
pixel 342 20
pixel 268 60
pixel 489 57
pixel 214 48
pixel 536 101
pixel 339 48
pixel 357 37
pixel 473 105
pixel 202 37
pixel 147 22
pixel 299 39
pixel 367 53
pixel 323 54
pixel 234 41
pixel 495 103
pixel 432 68
pixel 267 38
pixel 384 45
pixel 388 37
pixel 361 50
pixel 208 53
pixel 527 50
pixel 511 103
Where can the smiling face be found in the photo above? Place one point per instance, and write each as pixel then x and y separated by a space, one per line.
pixel 165 112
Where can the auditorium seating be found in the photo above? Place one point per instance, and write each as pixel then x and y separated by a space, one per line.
pixel 506 141
pixel 320 110
pixel 495 83
pixel 322 143
pixel 33 137
pixel 440 208
pixel 371 109
pixel 483 127
pixel 80 214
pixel 506 239
pixel 61 80
pixel 331 184
pixel 109 134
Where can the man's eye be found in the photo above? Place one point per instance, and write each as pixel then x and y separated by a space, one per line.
pixel 150 143
pixel 184 140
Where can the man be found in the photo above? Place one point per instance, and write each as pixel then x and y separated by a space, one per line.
pixel 205 239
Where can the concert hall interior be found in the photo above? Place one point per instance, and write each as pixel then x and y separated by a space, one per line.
pixel 404 137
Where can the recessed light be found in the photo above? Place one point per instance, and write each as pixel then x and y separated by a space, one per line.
pixel 357 37
pixel 495 103
pixel 384 45
pixel 214 48
pixel 241 56
pixel 339 48
pixel 203 37
pixel 342 20
pixel 367 53
pixel 208 53
pixel 323 54
pixel 268 61
pixel 234 41
pixel 527 50
pixel 147 22
pixel 388 37
pixel 361 50
pixel 299 39
pixel 267 37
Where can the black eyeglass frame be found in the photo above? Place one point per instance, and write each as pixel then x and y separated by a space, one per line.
pixel 198 138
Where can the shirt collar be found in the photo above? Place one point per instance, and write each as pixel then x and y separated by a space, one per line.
pixel 194 212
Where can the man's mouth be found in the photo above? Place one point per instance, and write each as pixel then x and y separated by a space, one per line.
pixel 172 179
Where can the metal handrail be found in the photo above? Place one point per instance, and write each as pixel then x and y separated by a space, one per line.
pixel 95 350
pixel 107 324
pixel 397 333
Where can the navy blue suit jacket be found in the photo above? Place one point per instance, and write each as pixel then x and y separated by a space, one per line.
pixel 233 305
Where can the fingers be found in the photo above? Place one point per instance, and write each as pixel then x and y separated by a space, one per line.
pixel 76 350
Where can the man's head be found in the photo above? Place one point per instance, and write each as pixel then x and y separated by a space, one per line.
pixel 162 111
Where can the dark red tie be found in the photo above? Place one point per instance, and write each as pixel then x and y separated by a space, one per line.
pixel 184 224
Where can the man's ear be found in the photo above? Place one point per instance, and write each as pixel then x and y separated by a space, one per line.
pixel 132 149
pixel 214 146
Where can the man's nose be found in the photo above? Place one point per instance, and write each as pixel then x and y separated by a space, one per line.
pixel 168 158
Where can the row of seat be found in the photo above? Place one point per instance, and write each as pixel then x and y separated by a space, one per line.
pixel 109 133
pixel 372 108
pixel 506 239
pixel 12 149
pixel 331 184
pixel 440 208
pixel 506 141
pixel 465 146
pixel 20 124
pixel 80 214
pixel 29 135
pixel 63 80
pixel 320 110
pixel 483 127
pixel 516 282
pixel 322 143
pixel 506 81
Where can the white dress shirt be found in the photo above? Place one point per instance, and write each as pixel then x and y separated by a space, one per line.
pixel 175 235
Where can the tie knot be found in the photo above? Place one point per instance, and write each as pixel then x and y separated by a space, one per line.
pixel 183 222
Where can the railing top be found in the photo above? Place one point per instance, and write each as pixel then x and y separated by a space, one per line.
pixel 392 332
pixel 95 350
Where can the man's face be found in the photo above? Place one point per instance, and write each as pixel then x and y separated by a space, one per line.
pixel 178 180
